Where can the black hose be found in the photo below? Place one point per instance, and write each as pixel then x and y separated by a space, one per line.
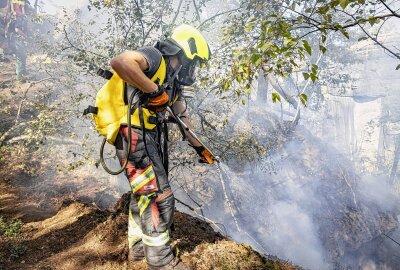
pixel 129 141
pixel 143 127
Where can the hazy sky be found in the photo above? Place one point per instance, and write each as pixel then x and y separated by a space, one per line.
pixel 54 6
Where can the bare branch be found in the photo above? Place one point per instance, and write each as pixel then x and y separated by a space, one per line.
pixel 297 117
pixel 391 239
pixel 396 55
pixel 10 131
pixel 391 10
pixel 79 49
pixel 197 10
pixel 177 12
pixel 274 83
pixel 223 231
pixel 152 26
pixel 141 21
pixel 216 15
pixel 24 96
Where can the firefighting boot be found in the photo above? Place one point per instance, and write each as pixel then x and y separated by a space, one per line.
pixel 136 253
pixel 175 264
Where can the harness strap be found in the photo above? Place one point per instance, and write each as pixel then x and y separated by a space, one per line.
pixel 90 109
pixel 106 74
pixel 143 128
pixel 165 148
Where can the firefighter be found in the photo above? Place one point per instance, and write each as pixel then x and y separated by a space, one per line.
pixel 152 201
pixel 3 24
pixel 18 8
pixel 17 34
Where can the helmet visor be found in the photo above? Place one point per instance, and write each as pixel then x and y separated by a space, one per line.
pixel 187 74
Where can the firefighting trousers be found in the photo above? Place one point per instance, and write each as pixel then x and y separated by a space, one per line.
pixel 152 203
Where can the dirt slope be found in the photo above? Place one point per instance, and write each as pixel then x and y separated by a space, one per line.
pixel 79 236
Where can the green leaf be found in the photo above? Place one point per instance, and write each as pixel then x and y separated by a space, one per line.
pixel 362 2
pixel 265 46
pixel 322 48
pixel 314 69
pixel 323 37
pixel 314 77
pixel 344 3
pixel 287 41
pixel 243 102
pixel 276 97
pixel 307 47
pixel 345 33
pixel 303 99
pixel 249 27
pixel 398 67
pixel 373 20
pixel 306 76
pixel 256 59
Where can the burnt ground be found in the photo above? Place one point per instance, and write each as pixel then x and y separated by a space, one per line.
pixel 81 236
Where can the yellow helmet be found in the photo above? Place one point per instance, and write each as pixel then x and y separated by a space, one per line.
pixel 192 42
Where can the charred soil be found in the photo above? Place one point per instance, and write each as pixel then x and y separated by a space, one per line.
pixel 80 236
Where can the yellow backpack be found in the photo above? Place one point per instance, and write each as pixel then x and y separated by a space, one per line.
pixel 111 109
pixel 114 108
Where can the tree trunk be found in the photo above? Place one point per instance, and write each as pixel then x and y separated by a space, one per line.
pixel 36 6
pixel 262 87
pixel 395 161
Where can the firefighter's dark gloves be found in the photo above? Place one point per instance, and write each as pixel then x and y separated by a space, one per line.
pixel 205 155
pixel 158 100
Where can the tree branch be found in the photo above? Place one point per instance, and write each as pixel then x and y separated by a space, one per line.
pixel 396 55
pixel 197 10
pixel 297 117
pixel 8 132
pixel 141 21
pixel 391 239
pixel 77 48
pixel 216 15
pixel 391 10
pixel 274 83
pixel 177 12
pixel 24 96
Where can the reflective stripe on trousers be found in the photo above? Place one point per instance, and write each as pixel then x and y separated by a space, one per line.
pixel 134 231
pixel 151 212
pixel 144 178
pixel 135 234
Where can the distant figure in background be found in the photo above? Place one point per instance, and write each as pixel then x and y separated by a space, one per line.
pixel 17 41
pixel 18 8
pixel 3 24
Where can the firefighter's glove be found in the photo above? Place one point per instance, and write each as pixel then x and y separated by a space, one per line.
pixel 158 100
pixel 205 155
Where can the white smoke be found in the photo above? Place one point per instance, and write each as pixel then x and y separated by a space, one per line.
pixel 294 237
pixel 378 190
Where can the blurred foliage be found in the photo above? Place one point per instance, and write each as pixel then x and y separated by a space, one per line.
pixel 110 27
pixel 282 38
pixel 279 37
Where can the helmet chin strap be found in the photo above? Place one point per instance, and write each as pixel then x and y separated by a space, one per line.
pixel 176 71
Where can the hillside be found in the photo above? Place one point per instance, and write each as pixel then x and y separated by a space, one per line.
pixel 80 236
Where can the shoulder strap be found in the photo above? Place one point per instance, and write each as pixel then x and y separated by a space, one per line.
pixel 90 109
pixel 106 74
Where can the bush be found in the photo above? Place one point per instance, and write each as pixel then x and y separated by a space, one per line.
pixel 10 228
